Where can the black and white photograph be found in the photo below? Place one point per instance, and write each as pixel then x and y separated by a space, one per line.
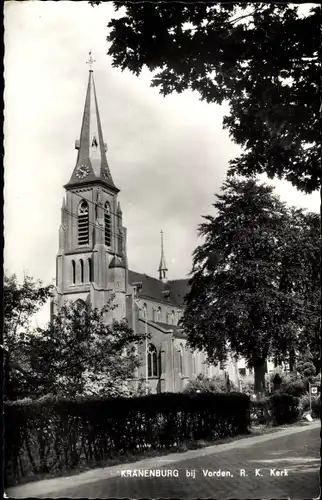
pixel 162 250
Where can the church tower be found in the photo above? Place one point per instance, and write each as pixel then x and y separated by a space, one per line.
pixel 91 261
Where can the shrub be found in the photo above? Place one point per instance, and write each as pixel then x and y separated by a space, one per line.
pixel 296 388
pixel 54 434
pixel 216 384
pixel 283 408
pixel 276 381
pixel 316 407
pixel 287 383
pixel 259 411
pixel 304 405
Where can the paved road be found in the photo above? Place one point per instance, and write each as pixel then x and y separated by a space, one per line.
pixel 287 467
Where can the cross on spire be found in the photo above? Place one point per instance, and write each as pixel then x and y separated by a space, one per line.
pixel 90 60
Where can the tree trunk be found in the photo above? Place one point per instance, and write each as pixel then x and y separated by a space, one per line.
pixel 292 359
pixel 259 377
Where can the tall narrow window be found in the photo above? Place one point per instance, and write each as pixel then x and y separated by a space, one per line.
pixel 159 314
pixel 181 359
pixel 145 311
pixel 107 223
pixel 83 223
pixel 89 265
pixel 172 318
pixel 73 272
pixel 81 264
pixel 152 361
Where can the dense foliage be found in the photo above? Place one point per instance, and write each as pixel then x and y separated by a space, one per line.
pixel 21 303
pixel 256 56
pixel 305 365
pixel 283 408
pixel 251 277
pixel 217 384
pixel 53 434
pixel 277 409
pixel 304 405
pixel 80 353
pixel 76 353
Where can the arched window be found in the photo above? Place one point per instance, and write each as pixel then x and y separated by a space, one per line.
pixel 81 265
pixel 107 223
pixel 181 359
pixel 145 311
pixel 152 361
pixel 73 272
pixel 172 317
pixel 83 223
pixel 90 271
pixel 154 313
pixel 194 363
pixel 159 314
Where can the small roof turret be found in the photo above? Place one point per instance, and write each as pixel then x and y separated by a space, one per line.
pixel 117 262
pixel 162 267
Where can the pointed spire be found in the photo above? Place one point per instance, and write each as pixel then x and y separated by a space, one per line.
pixel 162 267
pixel 91 164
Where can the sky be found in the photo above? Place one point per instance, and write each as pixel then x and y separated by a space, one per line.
pixel 168 155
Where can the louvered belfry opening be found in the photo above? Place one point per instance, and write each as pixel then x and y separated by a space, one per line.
pixel 83 224
pixel 107 223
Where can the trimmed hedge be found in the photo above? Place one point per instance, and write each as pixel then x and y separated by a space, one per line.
pixel 259 411
pixel 47 436
pixel 278 409
pixel 283 408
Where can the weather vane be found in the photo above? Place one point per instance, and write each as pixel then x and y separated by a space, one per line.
pixel 90 60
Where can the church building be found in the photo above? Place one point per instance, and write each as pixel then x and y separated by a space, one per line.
pixel 92 266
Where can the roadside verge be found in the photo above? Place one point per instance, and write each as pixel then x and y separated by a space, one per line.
pixel 44 487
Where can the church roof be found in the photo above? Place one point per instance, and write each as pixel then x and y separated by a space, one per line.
pixel 171 292
pixel 91 165
pixel 166 326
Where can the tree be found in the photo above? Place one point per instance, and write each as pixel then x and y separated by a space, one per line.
pixel 300 272
pixel 310 333
pixel 246 289
pixel 78 353
pixel 257 57
pixel 21 303
pixel 305 365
